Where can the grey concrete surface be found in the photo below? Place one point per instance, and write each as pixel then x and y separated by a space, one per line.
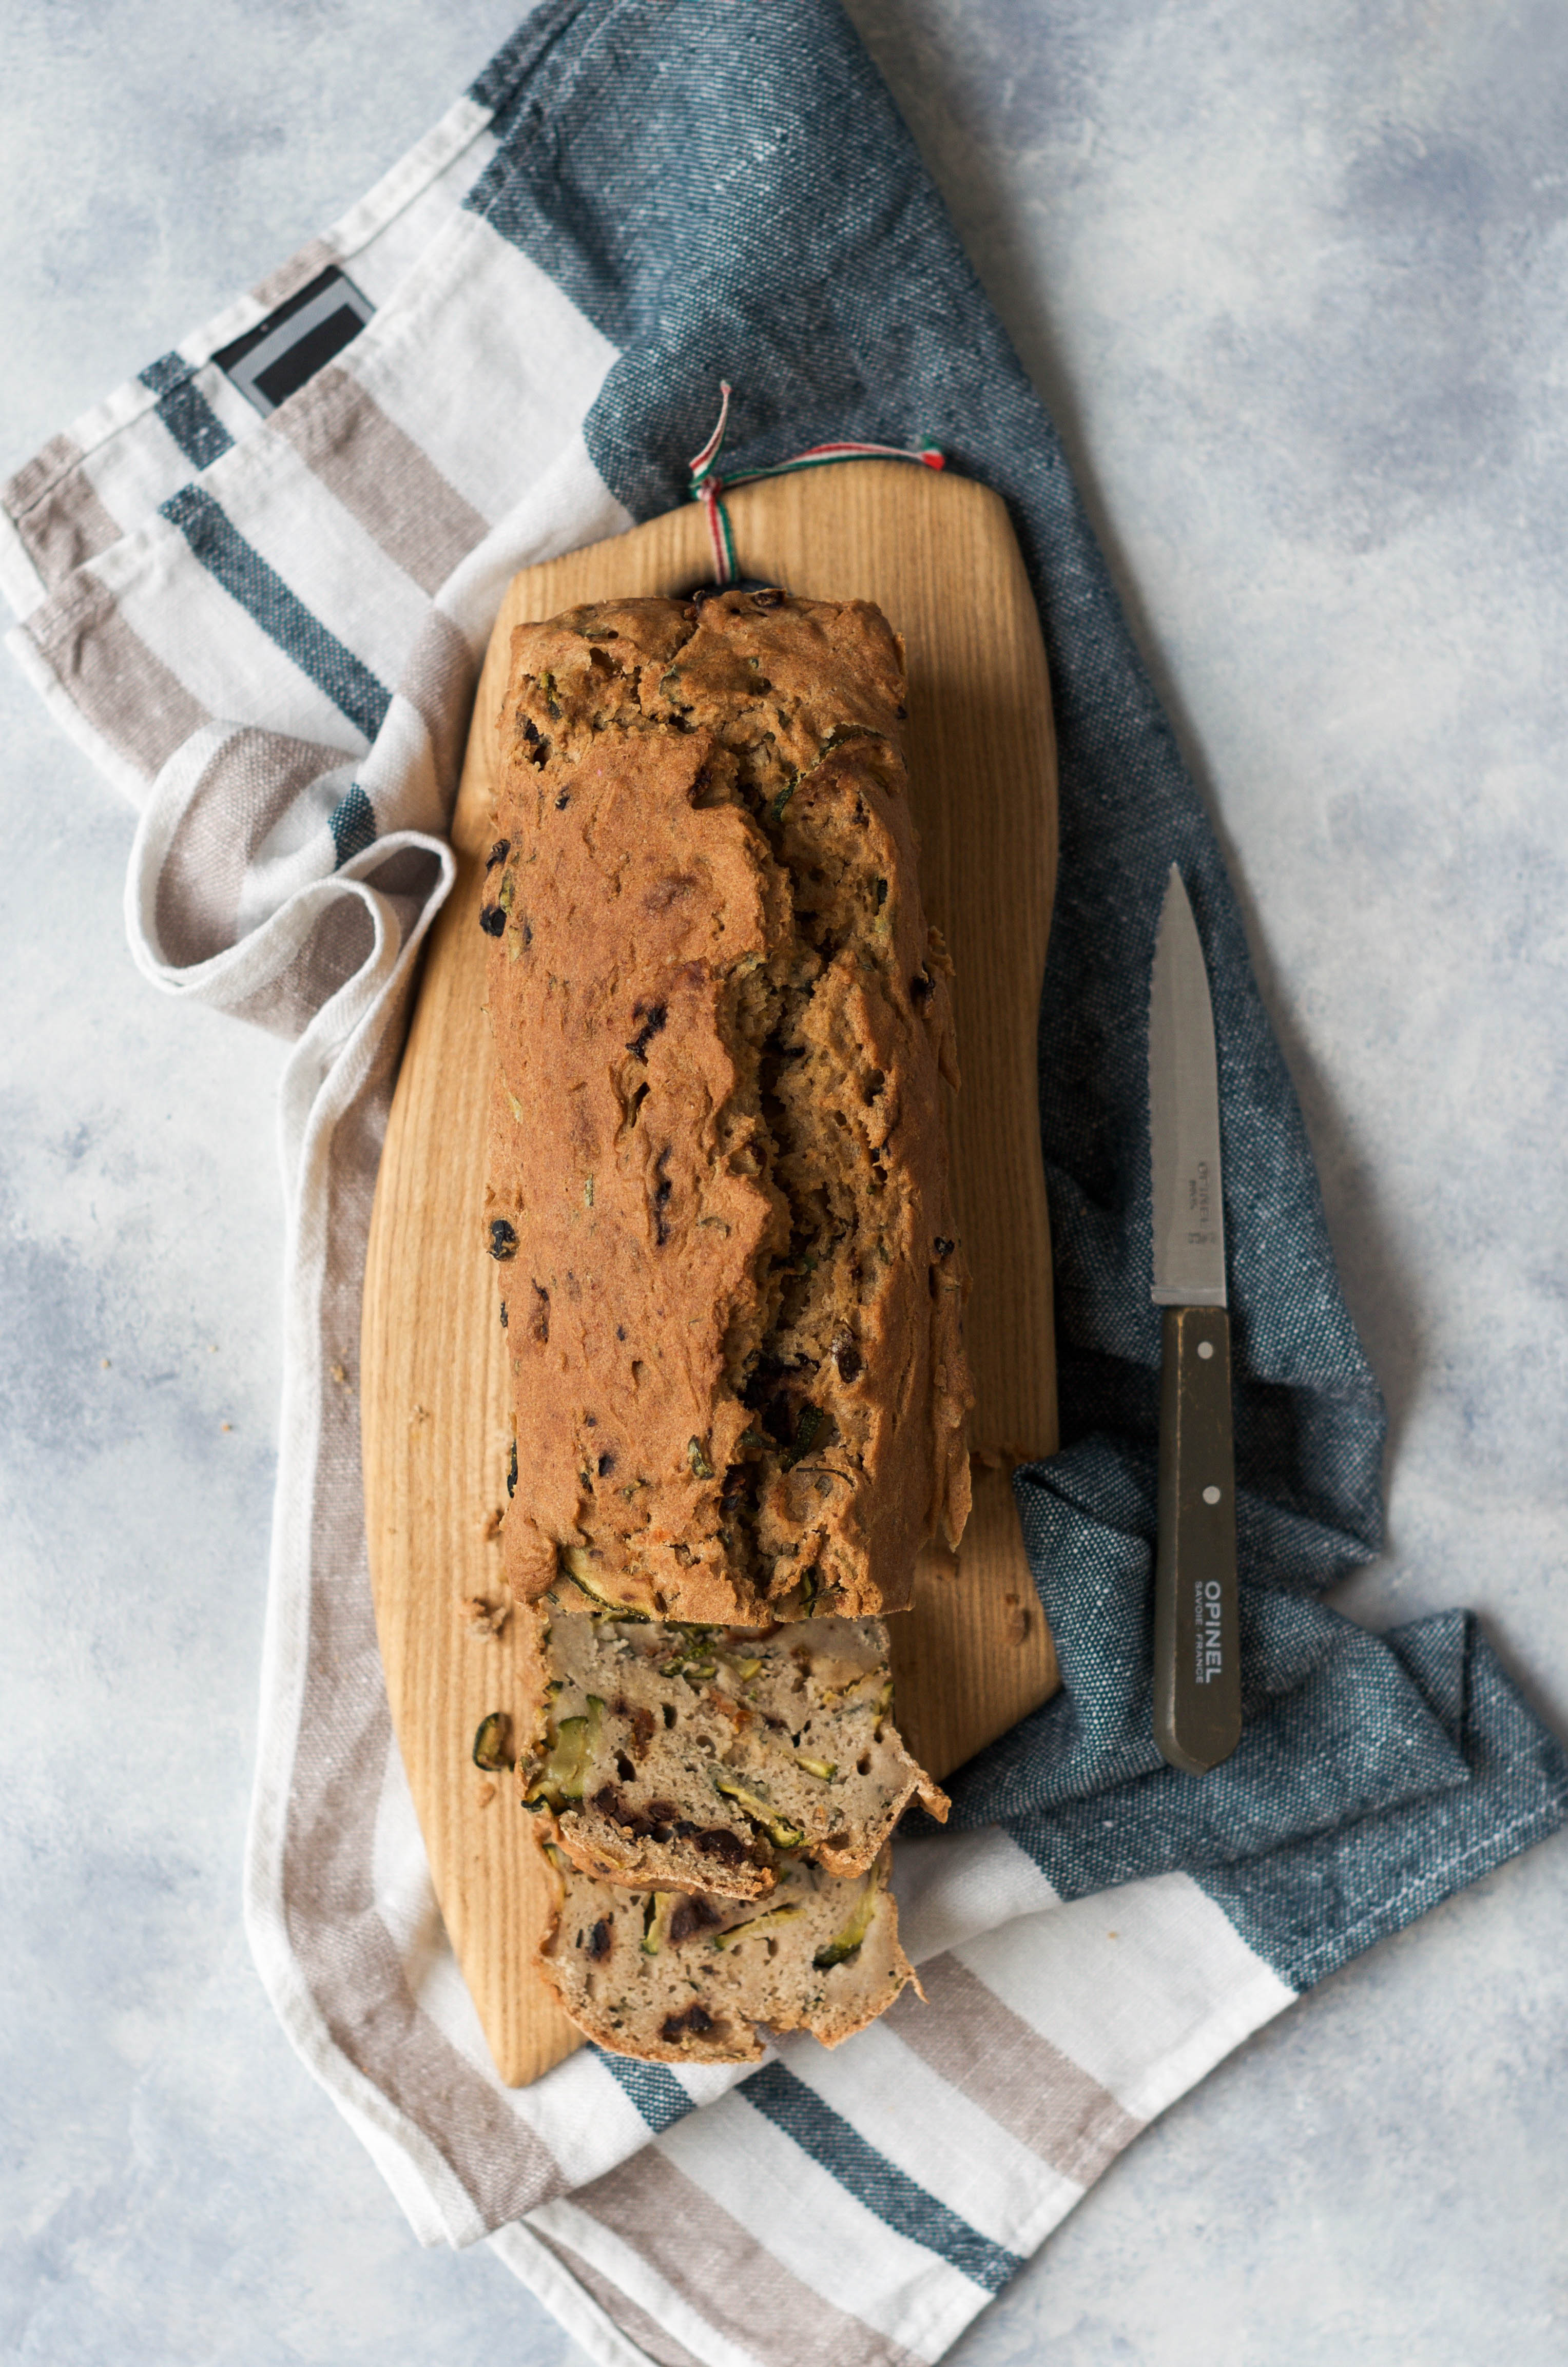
pixel 1293 283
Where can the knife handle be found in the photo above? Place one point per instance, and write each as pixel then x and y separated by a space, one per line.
pixel 1198 1689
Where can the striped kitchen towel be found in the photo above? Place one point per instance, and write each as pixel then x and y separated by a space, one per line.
pixel 255 585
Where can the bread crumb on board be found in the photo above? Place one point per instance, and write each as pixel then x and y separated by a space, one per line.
pixel 483 1618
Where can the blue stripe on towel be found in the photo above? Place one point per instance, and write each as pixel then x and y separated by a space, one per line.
pixel 281 613
pixel 185 411
pixel 652 2088
pixel 865 2173
pixel 352 822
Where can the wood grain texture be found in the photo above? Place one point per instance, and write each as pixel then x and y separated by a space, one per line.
pixel 937 555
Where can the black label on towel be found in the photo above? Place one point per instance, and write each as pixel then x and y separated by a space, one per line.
pixel 281 353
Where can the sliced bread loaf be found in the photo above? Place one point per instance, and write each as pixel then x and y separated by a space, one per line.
pixel 677 1977
pixel 703 1757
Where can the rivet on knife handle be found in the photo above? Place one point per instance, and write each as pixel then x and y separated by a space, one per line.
pixel 1197 1699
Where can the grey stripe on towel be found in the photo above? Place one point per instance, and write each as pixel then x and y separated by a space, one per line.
pixel 128 694
pixel 245 789
pixel 380 475
pixel 1029 2087
pixel 57 513
pixel 725 2274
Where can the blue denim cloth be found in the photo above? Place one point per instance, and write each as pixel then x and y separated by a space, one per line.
pixel 726 190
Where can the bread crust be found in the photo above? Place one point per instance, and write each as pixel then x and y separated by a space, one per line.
pixel 718 1190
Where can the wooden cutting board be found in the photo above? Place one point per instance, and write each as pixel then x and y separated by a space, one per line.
pixel 936 553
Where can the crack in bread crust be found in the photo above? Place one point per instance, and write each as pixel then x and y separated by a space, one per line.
pixel 717 1147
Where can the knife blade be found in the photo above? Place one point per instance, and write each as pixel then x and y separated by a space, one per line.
pixel 1197 1710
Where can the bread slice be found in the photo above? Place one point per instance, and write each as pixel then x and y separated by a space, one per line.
pixel 679 1977
pixel 718 1174
pixel 705 1757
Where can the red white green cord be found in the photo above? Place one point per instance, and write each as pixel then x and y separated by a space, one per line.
pixel 708 486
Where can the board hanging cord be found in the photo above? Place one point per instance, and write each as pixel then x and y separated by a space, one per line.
pixel 708 486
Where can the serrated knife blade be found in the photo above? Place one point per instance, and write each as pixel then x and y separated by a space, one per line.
pixel 1198 1717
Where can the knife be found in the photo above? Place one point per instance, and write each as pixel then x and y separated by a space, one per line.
pixel 1197 1702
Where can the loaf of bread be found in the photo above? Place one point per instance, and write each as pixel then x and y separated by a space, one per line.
pixel 706 1758
pixel 680 1978
pixel 717 1182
